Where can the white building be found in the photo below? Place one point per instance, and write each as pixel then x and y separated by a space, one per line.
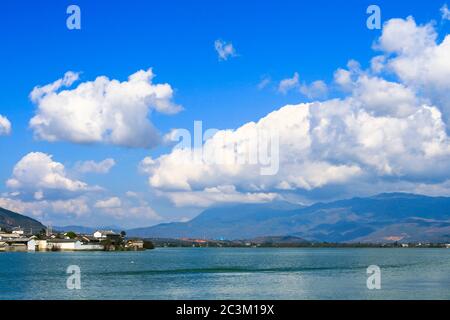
pixel 92 247
pixel 63 244
pixel 18 231
pixel 103 234
pixel 15 244
pixel 8 236
pixel 31 245
pixel 40 245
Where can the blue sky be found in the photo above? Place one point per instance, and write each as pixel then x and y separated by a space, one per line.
pixel 272 39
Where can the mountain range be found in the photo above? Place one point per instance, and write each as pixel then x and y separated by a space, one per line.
pixel 381 218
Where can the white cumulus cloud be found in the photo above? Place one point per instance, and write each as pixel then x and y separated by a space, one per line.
pixel 289 83
pixel 5 126
pixel 76 207
pixel 418 60
pixel 316 90
pixel 129 207
pixel 389 132
pixel 37 174
pixel 113 202
pixel 101 111
pixel 215 195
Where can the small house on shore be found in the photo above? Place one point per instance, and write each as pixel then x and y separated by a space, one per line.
pixel 103 234
pixel 19 231
pixel 6 236
pixel 14 244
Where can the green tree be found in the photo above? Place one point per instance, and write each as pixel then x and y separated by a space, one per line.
pixel 41 235
pixel 107 243
pixel 148 245
pixel 71 235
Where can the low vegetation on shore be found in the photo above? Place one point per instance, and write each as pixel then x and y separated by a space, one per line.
pixel 283 242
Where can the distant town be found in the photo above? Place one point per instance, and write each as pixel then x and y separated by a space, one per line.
pixel 17 239
pixel 284 242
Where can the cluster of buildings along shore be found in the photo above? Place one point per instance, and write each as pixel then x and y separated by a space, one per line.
pixel 100 240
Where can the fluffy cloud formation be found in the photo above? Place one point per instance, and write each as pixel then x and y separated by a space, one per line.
pixel 219 194
pixel 126 208
pixel 41 187
pixel 77 207
pixel 91 166
pixel 445 12
pixel 101 111
pixel 144 213
pixel 329 143
pixel 384 98
pixel 113 202
pixel 224 49
pixel 82 208
pixel 317 89
pixel 345 78
pixel 37 174
pixel 5 126
pixel 384 135
pixel 287 84
pixel 420 63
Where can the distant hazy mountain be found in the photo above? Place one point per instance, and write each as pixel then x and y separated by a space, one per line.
pixel 381 218
pixel 77 229
pixel 9 220
pixel 229 222
pixel 279 240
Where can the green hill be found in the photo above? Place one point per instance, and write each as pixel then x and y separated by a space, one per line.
pixel 10 219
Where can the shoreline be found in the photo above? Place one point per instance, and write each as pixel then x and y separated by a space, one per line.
pixel 216 248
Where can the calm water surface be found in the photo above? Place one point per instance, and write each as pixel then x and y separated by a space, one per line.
pixel 228 273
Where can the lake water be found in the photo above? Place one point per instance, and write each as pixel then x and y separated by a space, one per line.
pixel 228 273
